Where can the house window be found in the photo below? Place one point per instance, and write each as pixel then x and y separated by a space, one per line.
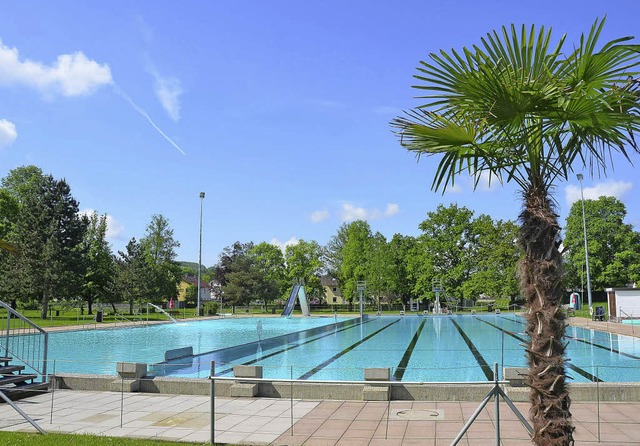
pixel 334 289
pixel 335 299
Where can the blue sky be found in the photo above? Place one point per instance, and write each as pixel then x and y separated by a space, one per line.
pixel 277 110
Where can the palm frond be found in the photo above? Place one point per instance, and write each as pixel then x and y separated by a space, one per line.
pixel 519 108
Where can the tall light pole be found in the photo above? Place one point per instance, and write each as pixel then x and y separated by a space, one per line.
pixel 200 253
pixel 586 246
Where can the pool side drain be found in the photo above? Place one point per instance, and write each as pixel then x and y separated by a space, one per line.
pixel 423 414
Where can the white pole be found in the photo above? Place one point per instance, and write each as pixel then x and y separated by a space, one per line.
pixel 200 254
pixel 586 246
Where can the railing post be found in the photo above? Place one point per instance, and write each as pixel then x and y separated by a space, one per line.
pixel 6 348
pixel 212 374
pixel 497 403
pixel 44 356
pixel 598 399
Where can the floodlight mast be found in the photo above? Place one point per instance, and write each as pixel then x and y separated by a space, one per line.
pixel 200 255
pixel 586 245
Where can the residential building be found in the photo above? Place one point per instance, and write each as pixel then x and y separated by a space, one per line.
pixel 188 280
pixel 332 292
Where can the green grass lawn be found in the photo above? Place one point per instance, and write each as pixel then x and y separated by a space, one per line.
pixel 584 311
pixel 55 439
pixel 60 316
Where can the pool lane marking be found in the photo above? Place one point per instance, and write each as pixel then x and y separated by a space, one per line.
pixel 488 371
pixel 402 366
pixel 584 341
pixel 603 347
pixel 319 367
pixel 291 347
pixel 575 368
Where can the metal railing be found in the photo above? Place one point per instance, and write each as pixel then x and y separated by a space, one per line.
pixel 132 320
pixel 629 317
pixel 297 397
pixel 23 340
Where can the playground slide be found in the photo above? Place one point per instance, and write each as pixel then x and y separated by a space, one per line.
pixel 302 298
pixel 288 308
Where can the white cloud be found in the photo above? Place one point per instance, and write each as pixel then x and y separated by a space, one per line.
pixel 283 245
pixel 351 212
pixel 8 133
pixel 168 91
pixel 606 189
pixel 392 209
pixel 488 183
pixel 318 216
pixel 114 227
pixel 70 75
pixel 467 183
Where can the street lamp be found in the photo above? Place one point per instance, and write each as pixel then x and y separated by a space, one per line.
pixel 586 246
pixel 200 253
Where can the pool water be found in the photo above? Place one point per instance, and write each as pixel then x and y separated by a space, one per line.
pixel 416 348
pixel 97 351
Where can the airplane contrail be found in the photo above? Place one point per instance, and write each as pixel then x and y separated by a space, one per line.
pixel 142 112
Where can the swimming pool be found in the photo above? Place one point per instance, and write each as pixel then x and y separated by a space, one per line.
pixel 416 348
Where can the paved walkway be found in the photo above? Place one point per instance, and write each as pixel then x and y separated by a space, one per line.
pixel 611 327
pixel 268 421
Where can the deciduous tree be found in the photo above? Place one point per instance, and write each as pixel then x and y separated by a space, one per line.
pixel 614 246
pixel 98 261
pixel 303 262
pixel 159 248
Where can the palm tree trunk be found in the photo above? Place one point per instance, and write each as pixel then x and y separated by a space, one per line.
pixel 540 276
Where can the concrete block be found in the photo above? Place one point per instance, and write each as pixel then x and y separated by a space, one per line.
pixel 131 369
pixel 125 385
pixel 377 374
pixel 247 371
pixel 375 393
pixel 515 375
pixel 244 390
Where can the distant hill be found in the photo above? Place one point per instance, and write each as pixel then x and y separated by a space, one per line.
pixel 192 266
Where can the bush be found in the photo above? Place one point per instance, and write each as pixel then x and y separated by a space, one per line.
pixel 211 308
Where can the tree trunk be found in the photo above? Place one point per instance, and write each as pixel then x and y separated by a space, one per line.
pixel 540 276
pixel 45 302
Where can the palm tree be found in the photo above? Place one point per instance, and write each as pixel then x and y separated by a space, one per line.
pixel 515 108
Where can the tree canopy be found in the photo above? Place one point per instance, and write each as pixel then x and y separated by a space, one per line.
pixel 614 247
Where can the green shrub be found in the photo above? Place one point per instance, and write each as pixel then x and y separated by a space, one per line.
pixel 211 308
